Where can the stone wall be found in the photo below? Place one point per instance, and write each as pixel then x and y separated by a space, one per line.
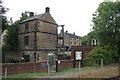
pixel 66 40
pixel 46 41
pixel 75 42
pixel 47 27
pixel 46 38
pixel 31 41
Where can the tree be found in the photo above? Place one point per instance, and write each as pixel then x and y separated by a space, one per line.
pixel 11 39
pixel 5 24
pixel 87 39
pixel 3 10
pixel 107 25
pixel 3 18
pixel 98 53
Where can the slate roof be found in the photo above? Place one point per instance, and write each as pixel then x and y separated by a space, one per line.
pixel 72 35
pixel 33 18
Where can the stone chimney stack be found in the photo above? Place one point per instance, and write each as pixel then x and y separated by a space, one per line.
pixel 74 33
pixel 31 14
pixel 47 10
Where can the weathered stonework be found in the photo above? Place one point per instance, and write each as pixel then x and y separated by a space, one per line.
pixel 42 34
pixel 69 40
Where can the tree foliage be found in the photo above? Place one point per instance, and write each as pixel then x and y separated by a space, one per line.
pixel 101 52
pixel 87 39
pixel 11 39
pixel 5 24
pixel 3 9
pixel 3 18
pixel 107 24
pixel 107 30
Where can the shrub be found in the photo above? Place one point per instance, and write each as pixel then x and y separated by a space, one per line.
pixel 98 53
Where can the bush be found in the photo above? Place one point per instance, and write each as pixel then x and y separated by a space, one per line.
pixel 98 53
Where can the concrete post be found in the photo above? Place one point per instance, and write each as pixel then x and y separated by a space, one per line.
pixel 101 62
pixel 79 65
pixel 48 69
pixel 5 72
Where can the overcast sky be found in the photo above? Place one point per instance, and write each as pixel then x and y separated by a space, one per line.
pixel 76 15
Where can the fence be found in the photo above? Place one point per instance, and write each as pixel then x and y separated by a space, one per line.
pixel 28 67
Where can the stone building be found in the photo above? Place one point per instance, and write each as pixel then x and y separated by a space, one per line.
pixel 69 40
pixel 38 37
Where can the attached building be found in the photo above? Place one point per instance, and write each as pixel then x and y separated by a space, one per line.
pixel 69 40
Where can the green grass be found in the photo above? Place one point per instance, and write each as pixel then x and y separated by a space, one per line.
pixel 77 69
pixel 68 70
pixel 27 75
pixel 41 74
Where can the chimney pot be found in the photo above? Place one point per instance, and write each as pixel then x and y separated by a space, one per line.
pixel 74 33
pixel 47 10
pixel 31 14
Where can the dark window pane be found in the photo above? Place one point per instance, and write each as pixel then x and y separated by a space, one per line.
pixel 26 27
pixel 26 40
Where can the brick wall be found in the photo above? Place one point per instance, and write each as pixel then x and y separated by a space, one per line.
pixel 65 64
pixel 16 68
pixel 28 67
pixel 85 51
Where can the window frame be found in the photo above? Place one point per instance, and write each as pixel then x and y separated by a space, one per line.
pixel 26 40
pixel 26 27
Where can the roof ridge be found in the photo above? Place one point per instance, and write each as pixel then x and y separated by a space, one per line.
pixel 33 17
pixel 72 35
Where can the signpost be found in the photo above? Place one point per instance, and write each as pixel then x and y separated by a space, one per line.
pixel 78 56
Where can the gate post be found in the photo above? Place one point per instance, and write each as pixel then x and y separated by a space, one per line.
pixel 56 66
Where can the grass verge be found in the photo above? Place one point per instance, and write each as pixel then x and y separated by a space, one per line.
pixel 43 74
pixel 27 75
